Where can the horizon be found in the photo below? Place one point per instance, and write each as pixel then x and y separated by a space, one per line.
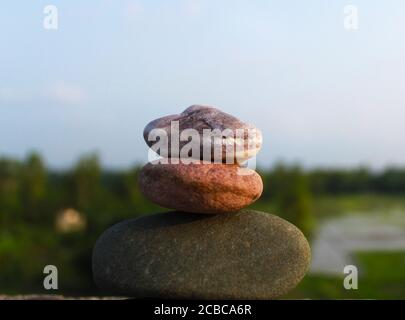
pixel 259 167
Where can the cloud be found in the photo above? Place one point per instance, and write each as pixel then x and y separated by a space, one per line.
pixel 66 94
pixel 10 95
pixel 59 93
pixel 134 9
pixel 192 8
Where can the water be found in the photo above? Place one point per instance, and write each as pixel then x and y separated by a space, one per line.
pixel 337 239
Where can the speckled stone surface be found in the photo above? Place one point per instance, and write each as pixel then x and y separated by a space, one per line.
pixel 202 188
pixel 200 117
pixel 243 255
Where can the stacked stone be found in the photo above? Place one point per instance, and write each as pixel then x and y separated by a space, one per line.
pixel 210 247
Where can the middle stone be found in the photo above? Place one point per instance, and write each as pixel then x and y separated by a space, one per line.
pixel 203 188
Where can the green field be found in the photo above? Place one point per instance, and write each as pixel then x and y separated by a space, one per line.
pixel 325 207
pixel 381 273
pixel 382 276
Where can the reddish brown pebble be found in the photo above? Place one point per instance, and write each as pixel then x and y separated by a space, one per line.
pixel 203 188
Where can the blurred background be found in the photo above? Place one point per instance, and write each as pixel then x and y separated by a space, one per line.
pixel 329 100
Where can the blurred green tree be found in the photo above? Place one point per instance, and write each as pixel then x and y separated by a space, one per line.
pixel 86 182
pixel 33 188
pixel 10 204
pixel 293 197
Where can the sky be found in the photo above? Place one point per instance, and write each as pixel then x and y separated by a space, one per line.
pixel 322 95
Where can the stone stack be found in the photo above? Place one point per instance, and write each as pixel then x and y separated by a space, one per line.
pixel 210 247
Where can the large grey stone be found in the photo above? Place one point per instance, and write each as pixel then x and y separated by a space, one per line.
pixel 242 255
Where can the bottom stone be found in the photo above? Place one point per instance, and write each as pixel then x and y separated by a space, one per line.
pixel 242 255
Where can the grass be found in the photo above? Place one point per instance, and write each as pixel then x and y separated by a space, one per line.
pixel 381 276
pixel 325 207
pixel 333 206
pixel 381 273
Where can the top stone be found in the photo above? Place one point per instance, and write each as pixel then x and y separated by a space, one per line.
pixel 217 136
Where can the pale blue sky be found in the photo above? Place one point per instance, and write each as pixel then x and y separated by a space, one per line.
pixel 322 95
